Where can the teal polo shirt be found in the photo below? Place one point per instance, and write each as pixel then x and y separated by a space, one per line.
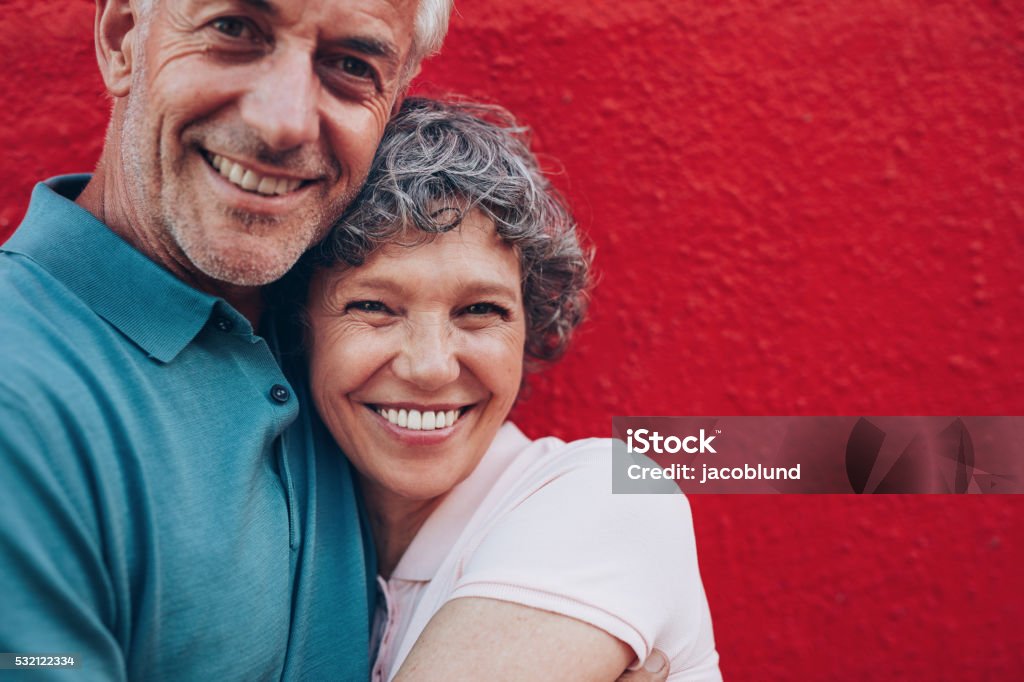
pixel 169 507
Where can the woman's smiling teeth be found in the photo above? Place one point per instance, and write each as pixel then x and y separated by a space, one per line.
pixel 250 180
pixel 415 420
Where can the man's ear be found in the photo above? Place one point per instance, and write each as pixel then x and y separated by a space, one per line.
pixel 398 101
pixel 116 33
pixel 405 88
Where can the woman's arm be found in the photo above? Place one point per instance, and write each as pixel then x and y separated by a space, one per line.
pixel 486 639
pixel 574 583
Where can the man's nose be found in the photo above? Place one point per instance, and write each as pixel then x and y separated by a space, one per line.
pixel 281 104
pixel 428 359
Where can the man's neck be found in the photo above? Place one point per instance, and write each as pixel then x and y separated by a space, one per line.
pixel 107 199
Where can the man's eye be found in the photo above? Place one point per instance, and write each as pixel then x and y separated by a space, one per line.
pixel 355 67
pixel 232 27
pixel 485 309
pixel 367 307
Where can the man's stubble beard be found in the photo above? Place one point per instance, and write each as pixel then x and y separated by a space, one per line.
pixel 158 204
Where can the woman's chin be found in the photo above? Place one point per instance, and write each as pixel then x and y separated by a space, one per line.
pixel 414 487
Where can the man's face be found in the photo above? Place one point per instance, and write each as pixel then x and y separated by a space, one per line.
pixel 251 124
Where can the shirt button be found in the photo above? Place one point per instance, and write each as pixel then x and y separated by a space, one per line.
pixel 224 323
pixel 279 393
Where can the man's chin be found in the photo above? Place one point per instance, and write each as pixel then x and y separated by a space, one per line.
pixel 246 273
pixel 242 267
pixel 245 258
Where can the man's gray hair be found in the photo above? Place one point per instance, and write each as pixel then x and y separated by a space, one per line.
pixel 440 160
pixel 431 27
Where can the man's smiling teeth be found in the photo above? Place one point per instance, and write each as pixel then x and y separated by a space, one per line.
pixel 252 181
pixel 419 421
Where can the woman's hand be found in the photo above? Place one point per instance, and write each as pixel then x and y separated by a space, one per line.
pixel 655 670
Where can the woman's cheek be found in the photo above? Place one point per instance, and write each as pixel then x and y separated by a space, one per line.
pixel 497 359
pixel 332 357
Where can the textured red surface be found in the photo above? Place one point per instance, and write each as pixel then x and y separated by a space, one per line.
pixel 798 208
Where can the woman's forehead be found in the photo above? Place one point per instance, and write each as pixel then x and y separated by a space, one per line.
pixel 470 253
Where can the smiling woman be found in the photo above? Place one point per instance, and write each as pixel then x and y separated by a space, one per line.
pixel 413 334
pixel 457 266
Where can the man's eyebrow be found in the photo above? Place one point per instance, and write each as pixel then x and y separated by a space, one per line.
pixel 369 46
pixel 366 45
pixel 262 6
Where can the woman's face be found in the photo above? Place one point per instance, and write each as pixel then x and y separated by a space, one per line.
pixel 417 357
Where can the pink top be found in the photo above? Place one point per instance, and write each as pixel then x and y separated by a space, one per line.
pixel 536 524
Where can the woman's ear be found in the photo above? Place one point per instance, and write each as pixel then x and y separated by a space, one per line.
pixel 116 32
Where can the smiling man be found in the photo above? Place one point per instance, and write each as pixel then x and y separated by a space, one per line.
pixel 242 129
pixel 164 513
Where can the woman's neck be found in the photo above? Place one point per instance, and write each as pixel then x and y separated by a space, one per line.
pixel 394 522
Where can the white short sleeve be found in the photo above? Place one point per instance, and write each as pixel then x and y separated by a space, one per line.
pixel 626 564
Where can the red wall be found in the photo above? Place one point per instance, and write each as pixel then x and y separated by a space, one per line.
pixel 798 208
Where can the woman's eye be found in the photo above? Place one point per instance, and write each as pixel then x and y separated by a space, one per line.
pixel 367 307
pixel 232 27
pixel 485 309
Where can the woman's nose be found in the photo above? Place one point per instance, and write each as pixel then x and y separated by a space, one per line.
pixel 427 359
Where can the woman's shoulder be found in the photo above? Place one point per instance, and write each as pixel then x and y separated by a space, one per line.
pixel 563 542
pixel 583 471
pixel 554 507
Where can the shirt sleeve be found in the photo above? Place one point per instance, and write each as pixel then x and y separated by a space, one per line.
pixel 626 564
pixel 57 598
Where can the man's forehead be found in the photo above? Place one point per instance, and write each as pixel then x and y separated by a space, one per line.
pixel 332 18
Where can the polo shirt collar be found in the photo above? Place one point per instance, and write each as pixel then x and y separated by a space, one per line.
pixel 156 310
pixel 440 532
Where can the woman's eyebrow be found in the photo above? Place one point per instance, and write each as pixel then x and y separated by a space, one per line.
pixel 489 288
pixel 369 283
pixel 474 287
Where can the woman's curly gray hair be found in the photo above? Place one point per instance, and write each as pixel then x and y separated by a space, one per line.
pixel 440 160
